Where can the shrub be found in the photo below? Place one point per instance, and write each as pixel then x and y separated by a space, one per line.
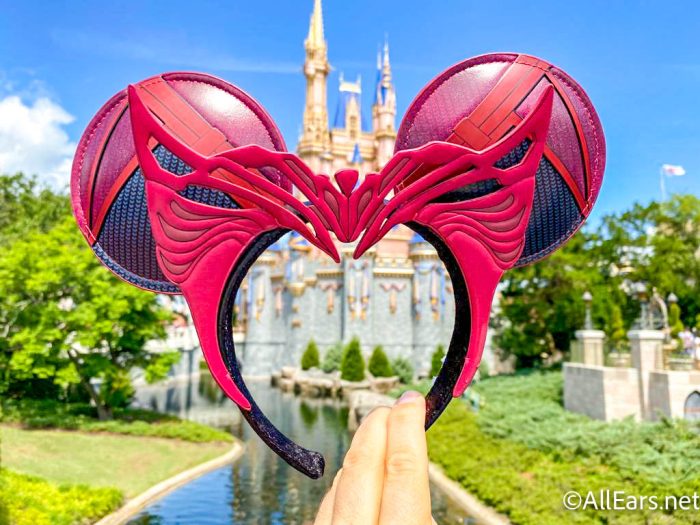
pixel 674 319
pixel 436 361
pixel 332 359
pixel 403 368
pixel 29 500
pixel 532 451
pixel 527 408
pixel 48 413
pixel 379 365
pixel 352 367
pixel 311 358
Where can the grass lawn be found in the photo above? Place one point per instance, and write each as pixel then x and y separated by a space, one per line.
pixel 131 464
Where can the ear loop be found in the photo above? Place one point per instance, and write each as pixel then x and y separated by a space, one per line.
pixel 440 393
pixel 306 461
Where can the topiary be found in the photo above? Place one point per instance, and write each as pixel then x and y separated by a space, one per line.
pixel 674 319
pixel 404 369
pixel 379 365
pixel 436 360
pixel 311 358
pixel 332 359
pixel 352 367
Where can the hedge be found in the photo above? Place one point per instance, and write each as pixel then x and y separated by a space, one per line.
pixel 522 452
pixel 50 414
pixel 332 359
pixel 28 500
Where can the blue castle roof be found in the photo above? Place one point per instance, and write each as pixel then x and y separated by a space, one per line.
pixel 356 155
pixel 344 98
pixel 416 239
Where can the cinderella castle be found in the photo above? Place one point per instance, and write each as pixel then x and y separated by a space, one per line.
pixel 397 295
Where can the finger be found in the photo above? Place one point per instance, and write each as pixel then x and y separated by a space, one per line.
pixel 325 511
pixel 406 494
pixel 357 499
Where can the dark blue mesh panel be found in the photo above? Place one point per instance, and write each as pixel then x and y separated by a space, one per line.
pixel 208 196
pixel 127 240
pixel 513 156
pixel 125 243
pixel 470 191
pixel 170 162
pixel 148 284
pixel 555 215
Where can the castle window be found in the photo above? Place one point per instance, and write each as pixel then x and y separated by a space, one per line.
pixel 353 126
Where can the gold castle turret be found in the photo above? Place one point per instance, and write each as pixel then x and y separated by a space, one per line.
pixel 314 143
pixel 350 140
pixel 397 294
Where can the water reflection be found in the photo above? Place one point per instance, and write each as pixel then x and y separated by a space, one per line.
pixel 260 488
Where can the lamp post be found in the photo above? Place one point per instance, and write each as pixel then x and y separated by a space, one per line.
pixel 672 298
pixel 642 296
pixel 587 300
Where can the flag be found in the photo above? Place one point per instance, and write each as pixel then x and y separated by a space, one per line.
pixel 671 170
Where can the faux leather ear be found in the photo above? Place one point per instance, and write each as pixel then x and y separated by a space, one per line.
pixel 481 100
pixel 107 187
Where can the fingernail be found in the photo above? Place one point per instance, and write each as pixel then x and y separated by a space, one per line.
pixel 409 396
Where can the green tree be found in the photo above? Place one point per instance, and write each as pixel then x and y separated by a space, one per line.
pixel 617 335
pixel 66 320
pixel 332 359
pixel 403 369
pixel 379 365
pixel 310 358
pixel 26 206
pixel 436 360
pixel 352 367
pixel 658 244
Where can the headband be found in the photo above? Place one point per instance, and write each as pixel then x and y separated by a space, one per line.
pixel 181 181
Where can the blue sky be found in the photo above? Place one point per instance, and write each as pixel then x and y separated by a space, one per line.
pixel 638 61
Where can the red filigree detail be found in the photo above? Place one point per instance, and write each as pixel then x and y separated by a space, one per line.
pixel 198 245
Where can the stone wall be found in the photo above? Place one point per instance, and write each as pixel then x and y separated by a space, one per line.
pixel 668 391
pixel 600 392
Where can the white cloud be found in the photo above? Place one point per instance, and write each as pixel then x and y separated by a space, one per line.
pixel 33 139
pixel 177 53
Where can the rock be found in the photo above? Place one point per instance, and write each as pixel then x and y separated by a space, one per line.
pixel 383 385
pixel 346 387
pixel 316 387
pixel 286 384
pixel 361 403
pixel 288 372
pixel 275 378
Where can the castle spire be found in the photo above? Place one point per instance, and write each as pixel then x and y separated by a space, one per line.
pixel 384 109
pixel 386 67
pixel 315 39
pixel 314 143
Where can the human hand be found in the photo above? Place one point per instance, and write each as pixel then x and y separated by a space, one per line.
pixel 384 478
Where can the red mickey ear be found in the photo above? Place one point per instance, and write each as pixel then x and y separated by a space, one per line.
pixel 107 188
pixel 479 101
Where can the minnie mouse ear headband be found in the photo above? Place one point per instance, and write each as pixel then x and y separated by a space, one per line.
pixel 181 181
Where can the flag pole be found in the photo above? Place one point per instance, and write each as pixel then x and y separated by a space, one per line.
pixel 662 184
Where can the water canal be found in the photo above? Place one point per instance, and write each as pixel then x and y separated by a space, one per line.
pixel 259 488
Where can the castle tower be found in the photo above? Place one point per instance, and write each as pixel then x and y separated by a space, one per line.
pixel 384 110
pixel 314 143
